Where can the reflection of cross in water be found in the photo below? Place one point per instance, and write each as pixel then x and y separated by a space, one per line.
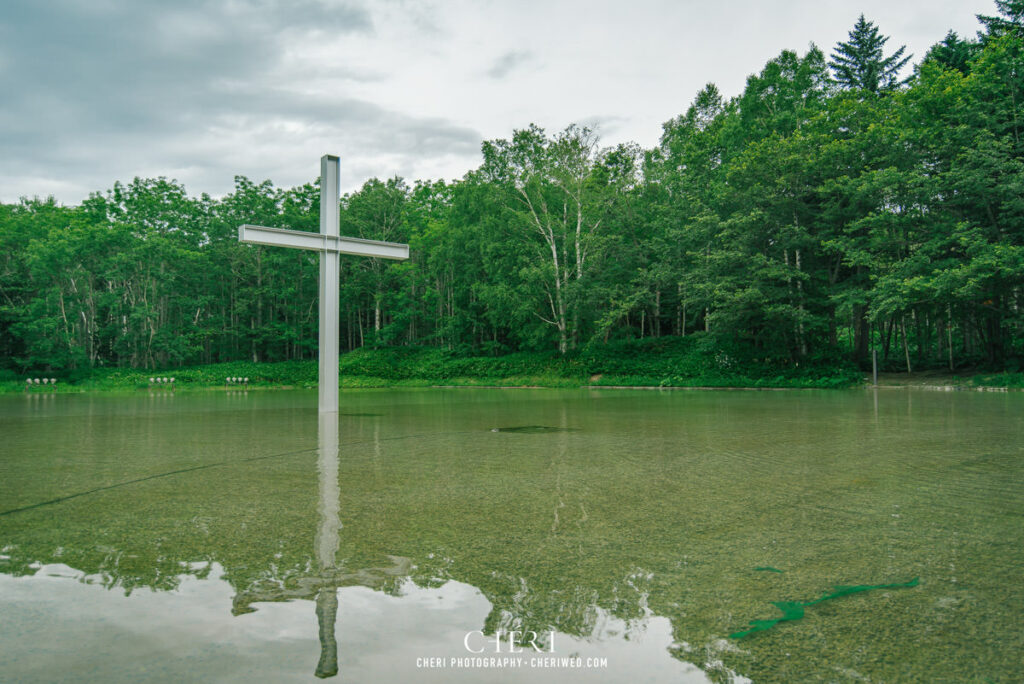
pixel 324 586
pixel 326 544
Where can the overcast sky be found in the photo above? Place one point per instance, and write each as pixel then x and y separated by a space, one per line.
pixel 94 91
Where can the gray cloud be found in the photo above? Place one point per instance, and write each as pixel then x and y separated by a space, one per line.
pixel 109 90
pixel 507 63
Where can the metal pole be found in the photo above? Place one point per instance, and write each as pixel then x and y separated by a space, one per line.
pixel 330 191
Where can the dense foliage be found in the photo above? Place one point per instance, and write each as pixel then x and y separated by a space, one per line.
pixel 819 214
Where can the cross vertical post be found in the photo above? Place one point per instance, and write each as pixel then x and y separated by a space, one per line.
pixel 330 280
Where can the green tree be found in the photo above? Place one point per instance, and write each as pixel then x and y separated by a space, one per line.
pixel 953 53
pixel 684 177
pixel 375 212
pixel 861 64
pixel 558 212
pixel 1010 19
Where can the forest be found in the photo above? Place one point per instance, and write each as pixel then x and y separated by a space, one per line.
pixel 843 203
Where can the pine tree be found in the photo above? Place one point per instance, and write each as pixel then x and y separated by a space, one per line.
pixel 953 52
pixel 861 64
pixel 1011 21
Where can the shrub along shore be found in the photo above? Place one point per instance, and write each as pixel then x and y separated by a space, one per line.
pixel 661 362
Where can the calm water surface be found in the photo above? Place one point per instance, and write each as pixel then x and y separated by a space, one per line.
pixel 238 537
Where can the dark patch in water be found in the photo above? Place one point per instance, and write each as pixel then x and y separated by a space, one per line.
pixel 534 429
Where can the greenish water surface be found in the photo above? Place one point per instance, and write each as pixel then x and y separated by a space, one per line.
pixel 241 537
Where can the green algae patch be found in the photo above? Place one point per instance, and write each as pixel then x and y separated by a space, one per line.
pixel 794 610
pixel 767 568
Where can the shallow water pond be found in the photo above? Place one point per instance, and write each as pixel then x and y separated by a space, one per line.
pixel 609 535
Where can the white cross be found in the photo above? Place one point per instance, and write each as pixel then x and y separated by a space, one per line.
pixel 330 244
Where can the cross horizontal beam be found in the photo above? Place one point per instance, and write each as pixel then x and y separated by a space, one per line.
pixel 300 239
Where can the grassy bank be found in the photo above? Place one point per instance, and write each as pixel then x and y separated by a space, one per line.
pixel 936 378
pixel 663 362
